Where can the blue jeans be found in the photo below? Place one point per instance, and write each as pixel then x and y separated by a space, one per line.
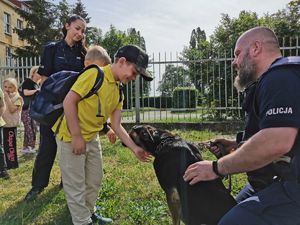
pixel 45 158
pixel 245 193
pixel 271 206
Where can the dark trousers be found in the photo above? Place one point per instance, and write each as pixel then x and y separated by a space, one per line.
pixel 3 165
pixel 245 193
pixel 45 158
pixel 275 205
pixel 10 147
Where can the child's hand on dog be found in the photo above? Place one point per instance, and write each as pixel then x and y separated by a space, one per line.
pixel 142 155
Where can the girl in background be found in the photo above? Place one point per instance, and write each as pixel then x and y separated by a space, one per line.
pixel 3 167
pixel 28 89
pixel 12 118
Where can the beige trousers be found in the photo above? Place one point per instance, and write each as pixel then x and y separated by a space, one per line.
pixel 82 176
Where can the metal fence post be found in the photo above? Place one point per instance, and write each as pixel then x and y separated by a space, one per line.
pixel 137 100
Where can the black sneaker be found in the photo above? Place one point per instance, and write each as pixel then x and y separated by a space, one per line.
pixel 100 219
pixel 33 193
pixel 4 174
pixel 61 185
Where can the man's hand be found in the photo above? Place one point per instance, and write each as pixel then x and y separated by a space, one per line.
pixel 78 145
pixel 199 171
pixel 142 155
pixel 221 147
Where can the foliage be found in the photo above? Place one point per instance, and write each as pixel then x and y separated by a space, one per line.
pixel 159 102
pixel 185 97
pixel 93 36
pixel 63 12
pixel 209 60
pixel 113 40
pixel 174 76
pixel 39 29
pixel 226 34
pixel 79 9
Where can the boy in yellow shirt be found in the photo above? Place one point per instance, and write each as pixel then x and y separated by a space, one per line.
pixel 79 150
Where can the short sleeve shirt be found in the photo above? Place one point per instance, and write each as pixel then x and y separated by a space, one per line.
pixel 28 84
pixel 58 56
pixel 278 97
pixel 109 96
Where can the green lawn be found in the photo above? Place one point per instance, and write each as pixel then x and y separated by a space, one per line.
pixel 130 193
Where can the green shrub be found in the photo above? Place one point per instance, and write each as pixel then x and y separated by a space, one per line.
pixel 185 97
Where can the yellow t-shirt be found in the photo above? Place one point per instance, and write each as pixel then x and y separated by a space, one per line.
pixel 109 95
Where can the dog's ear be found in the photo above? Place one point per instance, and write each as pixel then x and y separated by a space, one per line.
pixel 164 134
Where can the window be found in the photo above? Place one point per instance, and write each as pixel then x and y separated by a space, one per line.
pixel 8 57
pixel 19 24
pixel 7 26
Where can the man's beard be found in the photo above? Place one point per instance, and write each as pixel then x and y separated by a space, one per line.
pixel 246 73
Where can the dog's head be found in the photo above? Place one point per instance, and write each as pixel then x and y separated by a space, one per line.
pixel 148 137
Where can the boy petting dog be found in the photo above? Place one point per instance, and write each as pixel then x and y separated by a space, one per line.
pixel 79 150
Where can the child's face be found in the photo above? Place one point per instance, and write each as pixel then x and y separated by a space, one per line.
pixel 9 88
pixel 127 72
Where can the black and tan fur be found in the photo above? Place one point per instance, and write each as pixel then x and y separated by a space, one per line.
pixel 202 203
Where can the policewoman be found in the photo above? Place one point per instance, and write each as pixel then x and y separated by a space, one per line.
pixel 66 54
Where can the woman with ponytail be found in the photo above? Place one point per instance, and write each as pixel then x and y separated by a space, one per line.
pixel 65 54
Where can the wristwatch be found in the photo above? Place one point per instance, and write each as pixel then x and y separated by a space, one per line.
pixel 216 170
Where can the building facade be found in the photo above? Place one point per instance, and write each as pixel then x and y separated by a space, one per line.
pixel 9 23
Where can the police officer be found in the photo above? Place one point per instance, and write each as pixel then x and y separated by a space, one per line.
pixel 278 108
pixel 66 54
pixel 260 178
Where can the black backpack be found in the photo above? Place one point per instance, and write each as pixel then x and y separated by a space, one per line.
pixel 47 105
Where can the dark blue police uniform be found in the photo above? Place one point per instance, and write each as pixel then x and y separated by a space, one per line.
pixel 278 104
pixel 260 178
pixel 57 56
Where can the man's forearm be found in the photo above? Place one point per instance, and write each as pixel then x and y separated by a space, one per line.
pixel 260 150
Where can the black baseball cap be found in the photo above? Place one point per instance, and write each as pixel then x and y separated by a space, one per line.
pixel 137 56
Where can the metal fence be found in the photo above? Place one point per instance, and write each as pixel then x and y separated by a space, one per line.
pixel 212 78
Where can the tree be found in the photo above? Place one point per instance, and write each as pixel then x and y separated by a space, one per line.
pixel 39 29
pixel 173 77
pixel 199 49
pixel 79 9
pixel 94 36
pixel 227 33
pixel 63 12
pixel 113 40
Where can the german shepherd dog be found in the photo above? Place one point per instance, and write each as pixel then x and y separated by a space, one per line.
pixel 198 204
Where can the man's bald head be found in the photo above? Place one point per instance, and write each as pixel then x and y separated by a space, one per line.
pixel 262 34
pixel 255 51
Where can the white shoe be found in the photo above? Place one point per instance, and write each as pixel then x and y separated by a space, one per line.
pixel 28 150
pixel 32 150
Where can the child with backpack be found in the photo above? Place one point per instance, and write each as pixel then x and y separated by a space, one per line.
pixel 79 150
pixel 12 118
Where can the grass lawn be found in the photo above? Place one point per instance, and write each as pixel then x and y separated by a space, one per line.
pixel 130 193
